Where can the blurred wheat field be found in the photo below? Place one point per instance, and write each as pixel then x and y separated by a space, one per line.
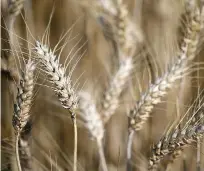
pixel 95 48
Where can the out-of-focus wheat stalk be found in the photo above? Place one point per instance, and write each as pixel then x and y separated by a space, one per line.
pixel 10 11
pixel 62 85
pixel 93 122
pixel 23 104
pixel 111 97
pixel 127 37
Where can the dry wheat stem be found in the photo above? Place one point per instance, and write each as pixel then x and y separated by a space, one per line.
pixel 23 104
pixel 17 152
pixel 75 144
pixel 143 108
pixel 172 144
pixel 26 154
pixel 62 85
pixel 129 149
pixel 102 156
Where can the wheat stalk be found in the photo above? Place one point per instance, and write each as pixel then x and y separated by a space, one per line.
pixel 93 122
pixel 23 104
pixel 143 108
pixel 128 37
pixel 116 86
pixel 62 85
pixel 173 143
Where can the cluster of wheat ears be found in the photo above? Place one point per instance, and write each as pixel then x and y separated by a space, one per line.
pixel 127 38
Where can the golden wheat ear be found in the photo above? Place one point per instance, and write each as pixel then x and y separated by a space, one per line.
pixel 23 105
pixel 93 122
pixel 143 108
pixel 56 75
pixel 62 85
pixel 140 113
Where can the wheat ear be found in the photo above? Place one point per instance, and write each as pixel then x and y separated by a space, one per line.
pixel 143 108
pixel 117 83
pixel 172 144
pixel 15 7
pixel 62 85
pixel 93 122
pixel 23 104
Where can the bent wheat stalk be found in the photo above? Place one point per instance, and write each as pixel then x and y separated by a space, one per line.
pixel 23 104
pixel 62 85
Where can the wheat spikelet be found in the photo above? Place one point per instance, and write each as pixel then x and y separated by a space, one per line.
pixel 56 75
pixel 173 144
pixel 143 108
